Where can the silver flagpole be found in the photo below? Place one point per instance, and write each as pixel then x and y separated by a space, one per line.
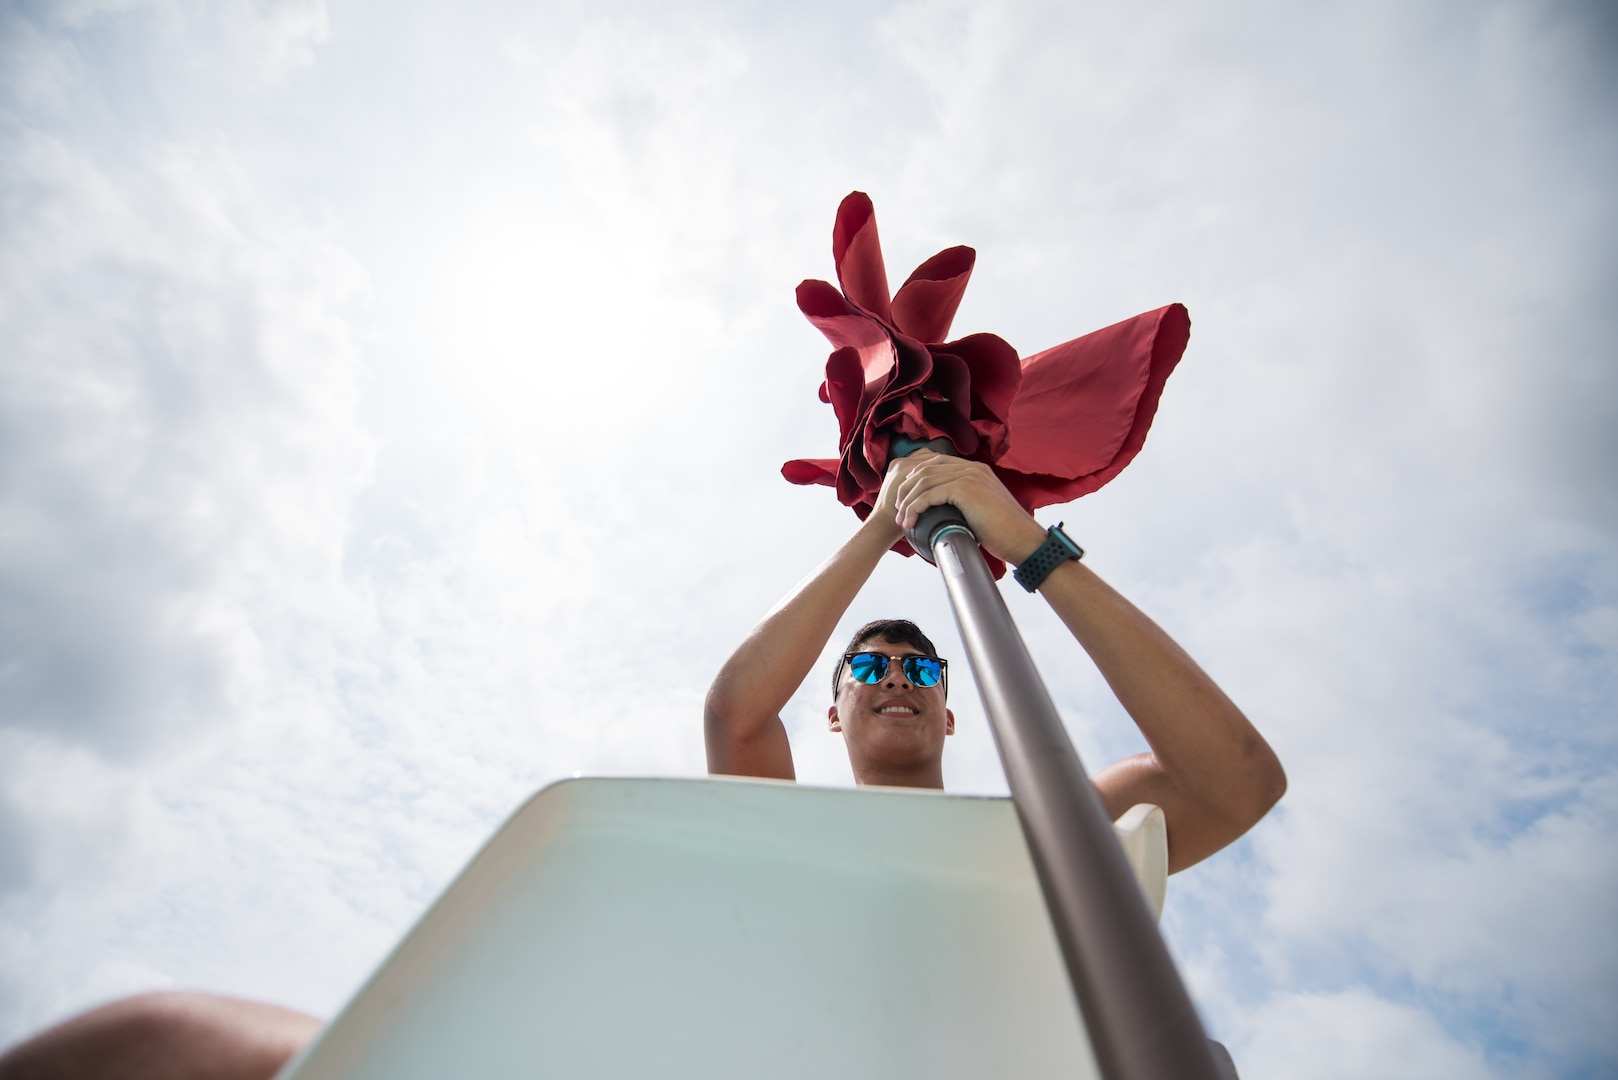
pixel 1140 1019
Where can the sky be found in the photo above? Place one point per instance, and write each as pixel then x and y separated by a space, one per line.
pixel 392 399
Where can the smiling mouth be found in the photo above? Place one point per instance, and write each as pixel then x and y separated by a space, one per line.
pixel 896 710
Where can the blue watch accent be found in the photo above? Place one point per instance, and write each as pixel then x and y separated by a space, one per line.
pixel 903 446
pixel 1057 549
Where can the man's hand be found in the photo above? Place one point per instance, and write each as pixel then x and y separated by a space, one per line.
pixel 925 479
pixel 884 520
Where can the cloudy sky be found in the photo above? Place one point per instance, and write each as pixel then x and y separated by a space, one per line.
pixel 392 397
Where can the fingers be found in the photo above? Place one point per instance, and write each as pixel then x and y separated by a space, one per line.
pixel 941 480
pixel 900 470
pixel 1000 523
pixel 885 514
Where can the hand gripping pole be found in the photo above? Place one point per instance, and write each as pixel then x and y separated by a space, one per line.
pixel 1140 1019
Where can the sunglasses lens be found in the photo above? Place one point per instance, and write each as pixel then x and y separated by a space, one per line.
pixel 923 670
pixel 868 667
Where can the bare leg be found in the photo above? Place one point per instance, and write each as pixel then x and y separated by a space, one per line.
pixel 172 1036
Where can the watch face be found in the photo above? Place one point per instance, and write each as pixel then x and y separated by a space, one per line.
pixel 1067 542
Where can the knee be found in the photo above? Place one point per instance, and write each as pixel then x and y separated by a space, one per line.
pixel 167 1034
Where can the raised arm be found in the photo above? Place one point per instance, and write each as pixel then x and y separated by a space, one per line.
pixel 742 715
pixel 1208 768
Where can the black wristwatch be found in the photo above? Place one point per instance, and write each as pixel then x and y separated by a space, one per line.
pixel 1057 549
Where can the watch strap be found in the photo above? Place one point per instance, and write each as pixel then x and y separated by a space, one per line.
pixel 1057 549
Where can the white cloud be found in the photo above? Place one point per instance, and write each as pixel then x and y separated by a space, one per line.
pixel 178 396
pixel 177 399
pixel 1351 1035
pixel 283 32
pixel 266 37
pixel 36 70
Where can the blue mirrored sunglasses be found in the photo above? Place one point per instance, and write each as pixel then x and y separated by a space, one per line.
pixel 872 667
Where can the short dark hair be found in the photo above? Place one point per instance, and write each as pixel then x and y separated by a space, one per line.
pixel 892 631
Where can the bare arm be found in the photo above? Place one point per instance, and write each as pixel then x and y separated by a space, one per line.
pixel 1208 768
pixel 742 716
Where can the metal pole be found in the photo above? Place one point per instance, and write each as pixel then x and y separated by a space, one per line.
pixel 1140 1019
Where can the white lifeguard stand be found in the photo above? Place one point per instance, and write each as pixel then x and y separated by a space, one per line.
pixel 732 929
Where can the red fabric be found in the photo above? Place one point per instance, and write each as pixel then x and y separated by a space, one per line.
pixel 1054 426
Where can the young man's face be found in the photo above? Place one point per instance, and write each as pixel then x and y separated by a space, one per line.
pixel 891 724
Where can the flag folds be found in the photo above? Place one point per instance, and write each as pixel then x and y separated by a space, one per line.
pixel 1053 426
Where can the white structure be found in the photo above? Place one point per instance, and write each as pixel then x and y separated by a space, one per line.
pixel 729 928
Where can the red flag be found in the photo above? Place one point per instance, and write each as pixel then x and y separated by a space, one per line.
pixel 1054 426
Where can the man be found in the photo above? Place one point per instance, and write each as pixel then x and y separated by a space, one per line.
pixel 1209 770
